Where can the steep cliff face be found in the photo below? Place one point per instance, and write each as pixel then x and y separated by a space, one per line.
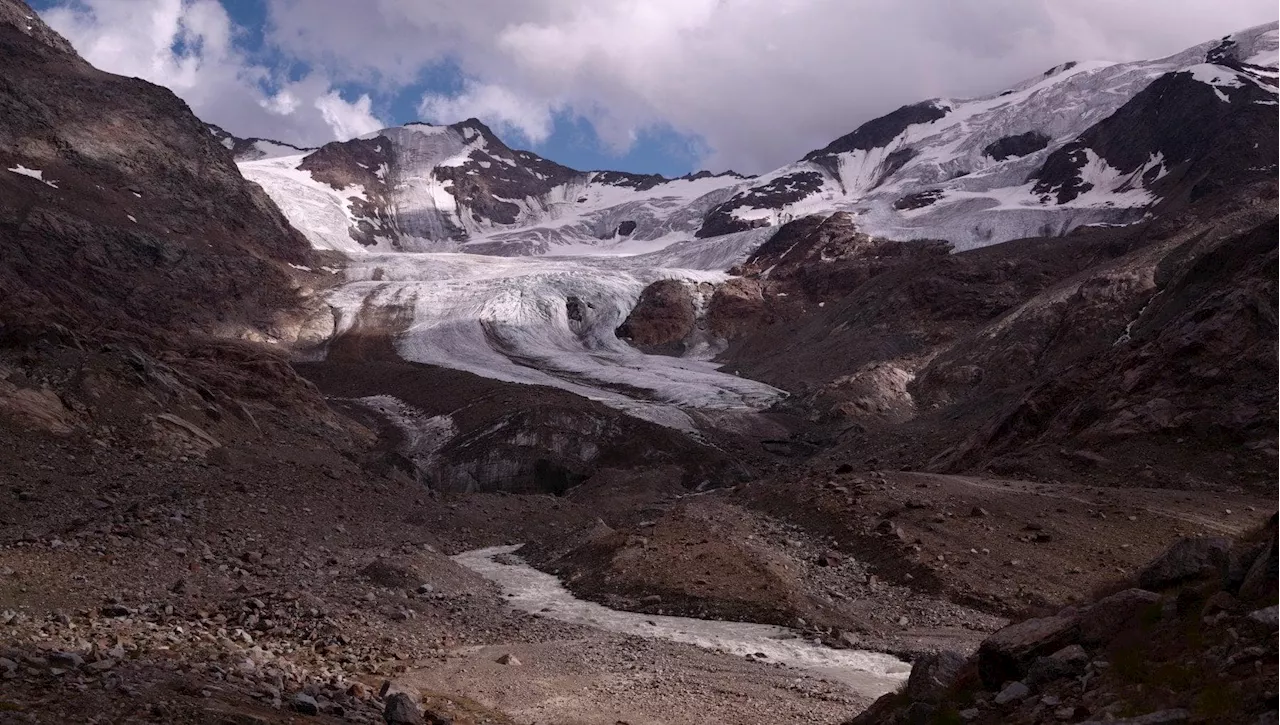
pixel 134 257
pixel 117 203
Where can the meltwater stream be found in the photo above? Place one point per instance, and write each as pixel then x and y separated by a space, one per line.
pixel 868 673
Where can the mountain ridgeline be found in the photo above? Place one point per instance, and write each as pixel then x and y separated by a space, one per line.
pixel 277 419
pixel 1083 143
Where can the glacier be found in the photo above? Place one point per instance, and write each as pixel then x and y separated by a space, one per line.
pixel 508 318
pixel 479 252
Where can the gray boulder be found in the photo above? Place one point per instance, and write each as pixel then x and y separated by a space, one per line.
pixel 1188 559
pixel 932 675
pixel 1013 692
pixel 1070 661
pixel 1261 577
pixel 1100 621
pixel 1005 655
pixel 920 713
pixel 402 710
pixel 306 704
pixel 1269 617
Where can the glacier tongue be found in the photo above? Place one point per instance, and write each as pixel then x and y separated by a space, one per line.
pixel 542 321
pixel 509 317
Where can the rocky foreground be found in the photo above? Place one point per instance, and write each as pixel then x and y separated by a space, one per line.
pixel 195 528
pixel 268 584
pixel 1192 638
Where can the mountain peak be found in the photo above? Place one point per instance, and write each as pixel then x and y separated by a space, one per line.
pixel 474 123
pixel 19 15
pixel 973 171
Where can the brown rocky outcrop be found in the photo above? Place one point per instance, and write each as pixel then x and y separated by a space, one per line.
pixel 822 258
pixel 663 319
pixel 135 263
pixel 1159 656
pixel 736 307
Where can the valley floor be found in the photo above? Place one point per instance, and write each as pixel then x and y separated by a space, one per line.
pixel 267 581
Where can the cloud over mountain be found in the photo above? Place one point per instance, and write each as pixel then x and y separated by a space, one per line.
pixel 758 82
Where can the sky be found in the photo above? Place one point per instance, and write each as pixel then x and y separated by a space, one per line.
pixel 649 86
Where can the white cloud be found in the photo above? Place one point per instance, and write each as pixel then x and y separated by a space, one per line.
pixel 499 106
pixel 189 46
pixel 348 120
pixel 761 81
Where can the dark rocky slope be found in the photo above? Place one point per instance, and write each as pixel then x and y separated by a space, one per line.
pixel 1195 363
pixel 139 269
pixel 1190 639
pixel 1036 357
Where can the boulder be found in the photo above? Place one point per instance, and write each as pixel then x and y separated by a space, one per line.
pixel 1192 558
pixel 305 704
pixel 1013 692
pixel 920 713
pixel 66 659
pixel 1241 561
pixel 664 315
pixel 401 709
pixel 1219 602
pixel 932 675
pixel 1005 655
pixel 1163 717
pixel 1100 621
pixel 1260 581
pixel 1069 661
pixel 1268 617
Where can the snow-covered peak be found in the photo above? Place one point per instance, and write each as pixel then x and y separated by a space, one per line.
pixel 965 169
pixel 1027 160
pixel 425 187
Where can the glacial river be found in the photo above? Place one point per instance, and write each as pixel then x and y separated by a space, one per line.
pixel 527 589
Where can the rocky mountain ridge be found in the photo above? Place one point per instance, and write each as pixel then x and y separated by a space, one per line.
pixel 1033 160
pixel 422 187
pixel 1038 159
pixel 254 149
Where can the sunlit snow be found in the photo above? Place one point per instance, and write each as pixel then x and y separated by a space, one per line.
pixel 33 173
pixel 984 201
